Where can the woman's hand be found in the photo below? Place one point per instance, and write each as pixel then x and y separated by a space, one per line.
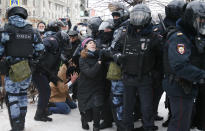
pixel 73 77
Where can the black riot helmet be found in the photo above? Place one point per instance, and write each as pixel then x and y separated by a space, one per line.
pixel 118 9
pixel 63 39
pixel 140 16
pixel 194 16
pixel 16 10
pixel 174 10
pixel 107 24
pixel 107 29
pixel 93 25
pixel 55 26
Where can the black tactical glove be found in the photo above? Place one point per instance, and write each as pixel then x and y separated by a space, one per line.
pixel 119 58
pixel 101 55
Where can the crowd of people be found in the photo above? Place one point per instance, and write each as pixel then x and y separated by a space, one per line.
pixel 115 69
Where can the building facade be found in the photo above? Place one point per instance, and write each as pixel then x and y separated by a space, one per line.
pixel 48 10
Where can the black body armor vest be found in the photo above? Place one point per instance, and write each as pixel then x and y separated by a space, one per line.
pixel 140 56
pixel 20 43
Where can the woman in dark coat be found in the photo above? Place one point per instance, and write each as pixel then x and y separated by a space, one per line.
pixel 91 85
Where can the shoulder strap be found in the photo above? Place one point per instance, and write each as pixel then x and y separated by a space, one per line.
pixel 171 31
pixel 123 52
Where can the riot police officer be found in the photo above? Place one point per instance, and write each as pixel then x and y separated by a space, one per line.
pixel 92 30
pixel 19 46
pixel 120 16
pixel 184 67
pixel 173 11
pixel 137 51
pixel 106 29
pixel 55 41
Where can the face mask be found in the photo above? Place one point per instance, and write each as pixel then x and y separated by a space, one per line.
pixel 117 22
pixel 41 30
pixel 92 49
pixel 107 37
pixel 65 31
pixel 83 33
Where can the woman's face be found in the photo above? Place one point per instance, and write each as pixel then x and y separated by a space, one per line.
pixel 41 27
pixel 91 46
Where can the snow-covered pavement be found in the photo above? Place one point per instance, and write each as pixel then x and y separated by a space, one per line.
pixel 70 122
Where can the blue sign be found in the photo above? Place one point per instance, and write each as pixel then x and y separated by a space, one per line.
pixel 14 2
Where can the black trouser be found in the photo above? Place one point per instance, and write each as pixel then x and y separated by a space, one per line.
pixel 75 90
pixel 96 116
pixel 200 109
pixel 181 109
pixel 92 114
pixel 107 110
pixel 167 105
pixel 42 84
pixel 158 91
pixel 145 92
pixel 137 111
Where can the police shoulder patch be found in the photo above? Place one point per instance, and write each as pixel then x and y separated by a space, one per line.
pixel 181 49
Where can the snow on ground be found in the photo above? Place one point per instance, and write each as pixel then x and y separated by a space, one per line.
pixel 70 122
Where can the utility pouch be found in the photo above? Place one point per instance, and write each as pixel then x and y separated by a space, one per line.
pixel 19 71
pixel 114 72
pixel 186 86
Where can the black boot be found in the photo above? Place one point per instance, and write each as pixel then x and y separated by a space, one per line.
pixel 46 114
pixel 39 116
pixel 96 128
pixel 105 125
pixel 84 122
pixel 22 121
pixel 15 126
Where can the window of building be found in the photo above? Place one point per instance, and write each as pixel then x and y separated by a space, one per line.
pixel 34 13
pixel 0 1
pixel 49 4
pixel 34 3
pixel 24 2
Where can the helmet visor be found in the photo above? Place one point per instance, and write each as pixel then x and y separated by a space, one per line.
pixel 139 18
pixel 199 25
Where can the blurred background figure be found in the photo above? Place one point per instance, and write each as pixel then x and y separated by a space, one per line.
pixel 67 24
pixel 41 26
